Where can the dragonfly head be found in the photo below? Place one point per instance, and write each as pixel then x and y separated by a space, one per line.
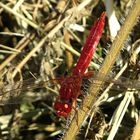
pixel 63 108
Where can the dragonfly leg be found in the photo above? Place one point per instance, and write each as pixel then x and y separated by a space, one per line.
pixel 88 74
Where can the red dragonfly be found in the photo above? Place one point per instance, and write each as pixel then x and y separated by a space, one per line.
pixel 71 85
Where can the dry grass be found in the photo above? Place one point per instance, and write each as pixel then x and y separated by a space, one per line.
pixel 39 42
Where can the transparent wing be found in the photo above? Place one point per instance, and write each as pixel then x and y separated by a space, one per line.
pixel 32 88
pixel 36 88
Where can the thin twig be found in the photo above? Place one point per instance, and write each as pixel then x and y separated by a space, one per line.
pixel 9 48
pixel 20 46
pixel 7 52
pixel 19 16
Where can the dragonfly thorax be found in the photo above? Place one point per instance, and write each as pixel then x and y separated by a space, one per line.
pixel 70 88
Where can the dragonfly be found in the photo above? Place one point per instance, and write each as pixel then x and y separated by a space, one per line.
pixel 70 86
